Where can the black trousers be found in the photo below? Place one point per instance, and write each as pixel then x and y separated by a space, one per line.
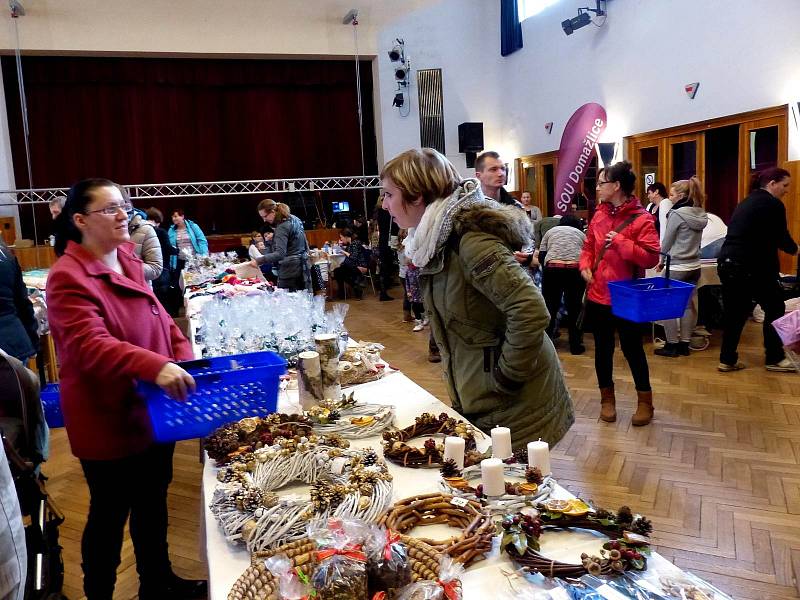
pixel 386 259
pixel 134 486
pixel 569 283
pixel 604 325
pixel 348 273
pixel 741 290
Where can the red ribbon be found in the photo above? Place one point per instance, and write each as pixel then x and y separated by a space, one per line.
pixel 379 596
pixel 392 537
pixel 451 591
pixel 350 551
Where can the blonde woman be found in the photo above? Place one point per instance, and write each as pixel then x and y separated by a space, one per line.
pixel 682 233
pixel 290 247
pixel 486 314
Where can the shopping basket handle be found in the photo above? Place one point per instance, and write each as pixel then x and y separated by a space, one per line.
pixel 666 264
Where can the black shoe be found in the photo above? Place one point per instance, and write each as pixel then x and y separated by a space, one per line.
pixel 385 297
pixel 434 357
pixel 577 350
pixel 683 348
pixel 358 292
pixel 176 588
pixel 669 350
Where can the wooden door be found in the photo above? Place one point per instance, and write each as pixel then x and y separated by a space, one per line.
pixel 685 157
pixel 536 174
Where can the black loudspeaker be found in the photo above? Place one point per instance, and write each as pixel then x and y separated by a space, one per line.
pixel 470 137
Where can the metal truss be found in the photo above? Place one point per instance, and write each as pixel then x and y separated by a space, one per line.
pixel 209 188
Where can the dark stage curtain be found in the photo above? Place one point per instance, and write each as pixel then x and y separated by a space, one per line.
pixel 159 120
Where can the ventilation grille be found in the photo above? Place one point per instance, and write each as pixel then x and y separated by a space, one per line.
pixel 431 109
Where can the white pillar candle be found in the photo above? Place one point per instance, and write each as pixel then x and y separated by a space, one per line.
pixel 539 456
pixel 454 448
pixel 492 477
pixel 501 443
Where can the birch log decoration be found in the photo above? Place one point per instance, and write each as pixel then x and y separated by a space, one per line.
pixel 328 349
pixel 309 379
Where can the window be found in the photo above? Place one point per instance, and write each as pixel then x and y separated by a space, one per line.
pixel 529 8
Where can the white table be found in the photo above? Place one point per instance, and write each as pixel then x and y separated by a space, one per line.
pixel 226 562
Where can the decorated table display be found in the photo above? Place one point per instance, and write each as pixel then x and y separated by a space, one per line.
pixel 475 539
pixel 431 454
pixel 626 549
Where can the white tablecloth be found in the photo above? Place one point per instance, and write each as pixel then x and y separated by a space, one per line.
pixel 226 562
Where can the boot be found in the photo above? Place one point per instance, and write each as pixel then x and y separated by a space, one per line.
pixel 683 348
pixel 669 350
pixel 644 410
pixel 608 412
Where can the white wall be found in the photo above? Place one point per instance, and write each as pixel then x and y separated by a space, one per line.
pixel 8 206
pixel 744 54
pixel 461 37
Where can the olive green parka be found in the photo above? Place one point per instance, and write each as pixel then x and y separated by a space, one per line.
pixel 489 321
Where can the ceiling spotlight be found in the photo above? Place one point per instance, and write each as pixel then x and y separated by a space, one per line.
pixel 583 18
pixel 351 17
pixel 399 100
pixel 17 10
pixel 397 53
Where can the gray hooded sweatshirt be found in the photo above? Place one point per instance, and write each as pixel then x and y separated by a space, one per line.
pixel 682 235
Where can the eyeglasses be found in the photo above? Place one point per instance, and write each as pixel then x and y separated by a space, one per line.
pixel 111 209
pixel 599 183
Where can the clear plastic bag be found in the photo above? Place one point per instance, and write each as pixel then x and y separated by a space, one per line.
pixel 677 584
pixel 447 587
pixel 389 568
pixel 293 584
pixel 341 571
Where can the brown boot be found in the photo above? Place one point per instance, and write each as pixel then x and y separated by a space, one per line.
pixel 608 412
pixel 644 411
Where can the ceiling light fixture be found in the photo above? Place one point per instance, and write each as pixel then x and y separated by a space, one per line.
pixel 583 18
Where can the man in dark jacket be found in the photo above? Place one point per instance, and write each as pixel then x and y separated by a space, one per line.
pixel 19 335
pixel 386 229
pixel 163 284
pixel 749 268
pixel 492 173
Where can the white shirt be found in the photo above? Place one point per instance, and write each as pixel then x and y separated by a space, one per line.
pixel 13 554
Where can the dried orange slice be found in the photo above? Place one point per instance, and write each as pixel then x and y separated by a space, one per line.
pixel 557 505
pixel 577 508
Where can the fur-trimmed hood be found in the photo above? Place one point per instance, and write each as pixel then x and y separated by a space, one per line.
pixel 465 210
pixel 506 222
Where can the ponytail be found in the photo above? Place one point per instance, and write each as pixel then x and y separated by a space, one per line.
pixel 78 198
pixel 691 189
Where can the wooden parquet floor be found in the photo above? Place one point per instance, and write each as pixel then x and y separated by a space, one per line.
pixel 718 470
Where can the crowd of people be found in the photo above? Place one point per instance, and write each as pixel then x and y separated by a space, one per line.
pixel 489 277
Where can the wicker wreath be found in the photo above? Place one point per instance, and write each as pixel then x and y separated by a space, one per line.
pixel 344 483
pixel 533 490
pixel 626 550
pixel 431 455
pixel 478 528
pixel 257 583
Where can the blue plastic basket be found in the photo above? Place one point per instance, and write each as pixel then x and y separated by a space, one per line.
pixel 228 388
pixel 650 299
pixel 51 402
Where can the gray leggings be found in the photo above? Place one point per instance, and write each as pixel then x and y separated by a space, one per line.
pixel 686 324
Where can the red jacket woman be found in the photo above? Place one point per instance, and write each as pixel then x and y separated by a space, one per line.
pixel 621 242
pixel 632 250
pixel 110 332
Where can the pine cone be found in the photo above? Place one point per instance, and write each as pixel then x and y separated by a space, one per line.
pixel 624 515
pixel 370 458
pixel 450 469
pixel 602 513
pixel 222 442
pixel 334 415
pixel 534 475
pixel 642 526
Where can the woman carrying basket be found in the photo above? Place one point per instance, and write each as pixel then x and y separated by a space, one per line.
pixel 621 242
pixel 110 331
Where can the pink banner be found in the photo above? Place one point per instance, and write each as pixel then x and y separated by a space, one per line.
pixel 577 148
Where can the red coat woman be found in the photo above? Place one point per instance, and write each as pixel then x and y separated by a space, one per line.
pixel 621 242
pixel 110 331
